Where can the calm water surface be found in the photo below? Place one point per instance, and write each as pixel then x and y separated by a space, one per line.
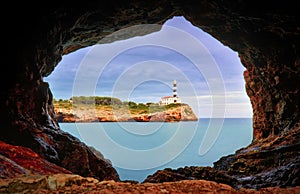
pixel 137 150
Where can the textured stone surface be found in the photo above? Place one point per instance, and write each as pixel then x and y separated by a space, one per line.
pixel 266 36
pixel 17 160
pixel 48 183
pixel 191 173
pixel 274 161
pixel 65 183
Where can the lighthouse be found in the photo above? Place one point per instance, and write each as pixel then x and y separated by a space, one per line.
pixel 171 99
pixel 174 89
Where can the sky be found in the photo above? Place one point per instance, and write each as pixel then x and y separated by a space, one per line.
pixel 209 75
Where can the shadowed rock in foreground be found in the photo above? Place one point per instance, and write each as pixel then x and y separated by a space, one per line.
pixel 17 160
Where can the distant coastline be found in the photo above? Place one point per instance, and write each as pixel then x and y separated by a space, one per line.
pixel 109 109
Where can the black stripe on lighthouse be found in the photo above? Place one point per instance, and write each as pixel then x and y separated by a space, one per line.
pixel 174 89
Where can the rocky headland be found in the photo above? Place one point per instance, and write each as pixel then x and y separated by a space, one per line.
pixel 68 112
pixel 264 33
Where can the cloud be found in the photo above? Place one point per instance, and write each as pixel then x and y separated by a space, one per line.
pixel 232 104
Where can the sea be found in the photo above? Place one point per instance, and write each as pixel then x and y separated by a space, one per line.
pixel 138 149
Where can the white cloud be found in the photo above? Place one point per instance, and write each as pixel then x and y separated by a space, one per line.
pixel 232 104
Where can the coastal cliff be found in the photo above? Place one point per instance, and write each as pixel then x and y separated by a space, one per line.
pixel 66 112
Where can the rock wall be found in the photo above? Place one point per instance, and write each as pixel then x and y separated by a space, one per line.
pixel 33 126
pixel 266 35
pixel 18 160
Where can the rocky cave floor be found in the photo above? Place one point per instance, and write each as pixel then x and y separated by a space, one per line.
pixel 68 183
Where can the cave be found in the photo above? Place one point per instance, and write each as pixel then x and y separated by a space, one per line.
pixel 266 36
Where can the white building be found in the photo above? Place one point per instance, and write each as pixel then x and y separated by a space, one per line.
pixel 171 99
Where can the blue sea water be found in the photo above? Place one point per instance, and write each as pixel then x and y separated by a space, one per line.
pixel 137 149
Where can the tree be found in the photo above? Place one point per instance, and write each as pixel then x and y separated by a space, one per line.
pixel 132 104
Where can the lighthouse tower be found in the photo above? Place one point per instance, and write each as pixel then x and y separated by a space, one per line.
pixel 175 91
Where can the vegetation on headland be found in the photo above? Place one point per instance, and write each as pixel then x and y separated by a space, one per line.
pixel 109 104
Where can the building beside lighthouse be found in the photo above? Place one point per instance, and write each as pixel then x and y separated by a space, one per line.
pixel 171 99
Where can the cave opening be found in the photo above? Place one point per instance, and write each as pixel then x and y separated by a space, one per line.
pixel 142 72
pixel 266 36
